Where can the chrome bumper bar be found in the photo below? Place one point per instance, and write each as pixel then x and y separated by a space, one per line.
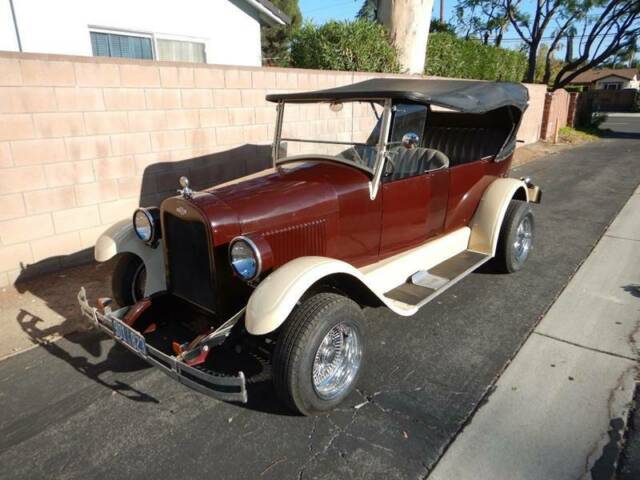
pixel 228 388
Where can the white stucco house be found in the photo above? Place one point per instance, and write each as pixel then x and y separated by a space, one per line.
pixel 205 31
pixel 609 79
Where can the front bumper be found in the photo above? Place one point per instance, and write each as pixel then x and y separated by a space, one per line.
pixel 228 388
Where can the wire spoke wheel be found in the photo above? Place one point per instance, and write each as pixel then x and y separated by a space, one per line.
pixel 337 361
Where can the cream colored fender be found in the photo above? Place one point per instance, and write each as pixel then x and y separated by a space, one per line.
pixel 120 238
pixel 274 299
pixel 487 221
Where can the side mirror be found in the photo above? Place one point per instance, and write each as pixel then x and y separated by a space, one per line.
pixel 410 140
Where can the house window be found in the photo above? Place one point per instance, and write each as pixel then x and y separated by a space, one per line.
pixel 116 45
pixel 181 51
pixel 612 86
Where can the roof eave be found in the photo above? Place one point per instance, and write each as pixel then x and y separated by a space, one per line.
pixel 268 13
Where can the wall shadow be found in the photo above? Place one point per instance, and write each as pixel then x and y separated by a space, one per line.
pixel 56 280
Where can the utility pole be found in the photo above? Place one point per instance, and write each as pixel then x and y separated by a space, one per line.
pixel 442 11
pixel 408 24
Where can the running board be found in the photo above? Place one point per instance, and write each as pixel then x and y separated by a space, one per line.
pixel 425 285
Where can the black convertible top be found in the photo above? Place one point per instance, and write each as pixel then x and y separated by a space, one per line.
pixel 468 96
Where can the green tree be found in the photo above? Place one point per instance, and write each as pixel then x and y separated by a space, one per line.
pixel 276 40
pixel 482 19
pixel 358 45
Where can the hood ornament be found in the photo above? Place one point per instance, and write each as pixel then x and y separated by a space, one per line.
pixel 185 191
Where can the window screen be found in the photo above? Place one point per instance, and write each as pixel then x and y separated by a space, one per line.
pixel 179 51
pixel 114 45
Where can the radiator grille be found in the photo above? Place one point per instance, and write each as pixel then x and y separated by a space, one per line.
pixel 188 261
pixel 297 241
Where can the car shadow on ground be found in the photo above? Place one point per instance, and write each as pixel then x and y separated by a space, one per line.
pixel 55 282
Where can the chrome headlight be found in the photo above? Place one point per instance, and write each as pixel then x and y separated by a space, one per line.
pixel 146 224
pixel 245 258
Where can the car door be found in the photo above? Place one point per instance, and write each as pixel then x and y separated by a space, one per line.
pixel 414 201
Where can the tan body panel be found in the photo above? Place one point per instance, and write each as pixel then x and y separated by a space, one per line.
pixel 120 238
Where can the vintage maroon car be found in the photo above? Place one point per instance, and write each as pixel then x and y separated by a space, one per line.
pixel 381 193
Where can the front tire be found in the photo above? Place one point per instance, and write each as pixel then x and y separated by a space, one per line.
pixel 516 237
pixel 319 353
pixel 129 280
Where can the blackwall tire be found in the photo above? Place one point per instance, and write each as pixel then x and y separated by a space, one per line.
pixel 319 353
pixel 517 234
pixel 128 280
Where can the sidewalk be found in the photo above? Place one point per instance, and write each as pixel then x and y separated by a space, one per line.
pixel 560 408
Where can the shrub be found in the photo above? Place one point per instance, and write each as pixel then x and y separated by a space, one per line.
pixel 359 45
pixel 449 56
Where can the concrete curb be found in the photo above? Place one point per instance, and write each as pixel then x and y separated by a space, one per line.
pixel 560 408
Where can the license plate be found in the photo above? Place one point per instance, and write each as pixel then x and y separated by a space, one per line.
pixel 129 336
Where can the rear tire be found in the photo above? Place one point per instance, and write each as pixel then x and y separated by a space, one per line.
pixel 319 354
pixel 516 237
pixel 128 280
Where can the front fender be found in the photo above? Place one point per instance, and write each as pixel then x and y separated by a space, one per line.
pixel 487 221
pixel 120 238
pixel 277 295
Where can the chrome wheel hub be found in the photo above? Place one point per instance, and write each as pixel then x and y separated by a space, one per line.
pixel 523 241
pixel 337 361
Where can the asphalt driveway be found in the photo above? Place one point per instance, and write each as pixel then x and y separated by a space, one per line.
pixel 84 408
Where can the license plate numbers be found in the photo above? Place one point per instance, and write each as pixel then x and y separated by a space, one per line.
pixel 130 337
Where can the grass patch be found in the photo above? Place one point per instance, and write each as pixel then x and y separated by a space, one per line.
pixel 576 136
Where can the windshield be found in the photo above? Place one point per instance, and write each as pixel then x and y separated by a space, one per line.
pixel 345 131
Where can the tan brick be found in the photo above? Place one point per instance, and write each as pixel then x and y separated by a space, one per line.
pixel 15 255
pixel 237 79
pixel 64 244
pixel 22 179
pixel 5 155
pixel 11 206
pixel 161 98
pixel 76 219
pixel 145 160
pixel 139 76
pixel 182 119
pixel 10 72
pixel 44 72
pixel 96 192
pixel 241 116
pixel 254 98
pixel 227 98
pixel 208 77
pixel 92 74
pixel 230 135
pixel 131 187
pixel 112 212
pixel 69 173
pixel 85 148
pixel 256 134
pixel 4 281
pixel 115 167
pixel 265 115
pixel 106 122
pixel 197 98
pixel 147 120
pixel 79 99
pixel 25 229
pixel 124 98
pixel 50 200
pixel 214 117
pixel 27 99
pixel 167 140
pixel 58 124
pixel 130 143
pixel 176 77
pixel 16 127
pixel 31 152
pixel 286 80
pixel 263 79
pixel 201 137
pixel 307 81
pixel 89 236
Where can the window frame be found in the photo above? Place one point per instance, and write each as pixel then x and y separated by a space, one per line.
pixel 128 33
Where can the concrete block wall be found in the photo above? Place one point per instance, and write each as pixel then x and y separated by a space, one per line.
pixel 84 141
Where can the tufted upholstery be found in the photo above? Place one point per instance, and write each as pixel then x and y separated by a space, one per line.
pixel 414 161
pixel 464 145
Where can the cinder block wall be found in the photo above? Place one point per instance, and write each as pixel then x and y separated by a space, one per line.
pixel 84 141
